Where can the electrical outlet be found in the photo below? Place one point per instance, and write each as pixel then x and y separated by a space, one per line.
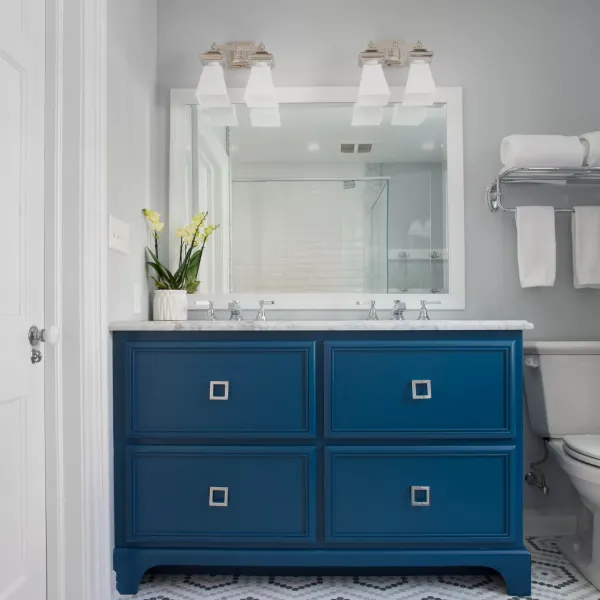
pixel 118 235
pixel 137 298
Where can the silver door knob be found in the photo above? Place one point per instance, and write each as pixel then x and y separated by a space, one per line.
pixel 50 335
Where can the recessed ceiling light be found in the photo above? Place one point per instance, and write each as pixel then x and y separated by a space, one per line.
pixel 428 145
pixel 313 147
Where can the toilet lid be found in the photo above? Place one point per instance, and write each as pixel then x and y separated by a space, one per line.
pixel 585 448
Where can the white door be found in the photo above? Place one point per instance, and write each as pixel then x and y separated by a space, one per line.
pixel 22 484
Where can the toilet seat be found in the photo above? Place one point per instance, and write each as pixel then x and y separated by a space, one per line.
pixel 584 448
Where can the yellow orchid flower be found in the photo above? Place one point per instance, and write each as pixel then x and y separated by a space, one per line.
pixel 198 219
pixel 188 234
pixel 151 215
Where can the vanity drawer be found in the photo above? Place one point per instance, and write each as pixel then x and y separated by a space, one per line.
pixel 382 389
pixel 220 495
pixel 221 389
pixel 391 495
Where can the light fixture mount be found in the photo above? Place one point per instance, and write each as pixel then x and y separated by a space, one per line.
pixel 214 55
pixel 371 55
pixel 238 55
pixel 393 53
pixel 419 52
pixel 261 57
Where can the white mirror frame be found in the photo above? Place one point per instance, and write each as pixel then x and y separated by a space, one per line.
pixel 215 268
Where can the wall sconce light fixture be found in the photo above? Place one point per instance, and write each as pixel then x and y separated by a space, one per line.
pixel 260 95
pixel 420 86
pixel 374 91
pixel 260 91
pixel 212 89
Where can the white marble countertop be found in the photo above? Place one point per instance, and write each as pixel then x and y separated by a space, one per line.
pixel 356 325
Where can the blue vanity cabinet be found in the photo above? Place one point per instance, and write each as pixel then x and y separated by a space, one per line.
pixel 423 388
pixel 206 495
pixel 306 449
pixel 215 389
pixel 417 495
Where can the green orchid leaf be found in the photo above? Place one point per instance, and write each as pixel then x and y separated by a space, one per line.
pixel 192 287
pixel 162 272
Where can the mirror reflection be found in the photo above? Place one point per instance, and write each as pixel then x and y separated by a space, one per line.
pixel 320 206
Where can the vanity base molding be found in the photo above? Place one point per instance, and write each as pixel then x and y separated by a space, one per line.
pixel 514 566
pixel 310 450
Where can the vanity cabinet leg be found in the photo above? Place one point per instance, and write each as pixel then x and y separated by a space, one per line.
pixel 127 583
pixel 517 575
pixel 129 571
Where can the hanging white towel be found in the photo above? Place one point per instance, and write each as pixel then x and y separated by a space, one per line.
pixel 585 228
pixel 542 151
pixel 591 142
pixel 536 246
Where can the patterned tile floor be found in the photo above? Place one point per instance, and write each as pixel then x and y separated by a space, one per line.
pixel 553 578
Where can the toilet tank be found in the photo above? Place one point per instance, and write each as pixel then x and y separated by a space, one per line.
pixel 562 387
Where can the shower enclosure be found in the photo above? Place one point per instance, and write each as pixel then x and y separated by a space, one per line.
pixel 307 235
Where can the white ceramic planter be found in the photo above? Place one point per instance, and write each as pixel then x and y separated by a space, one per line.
pixel 170 305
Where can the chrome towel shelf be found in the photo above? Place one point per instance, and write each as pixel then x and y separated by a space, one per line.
pixel 493 196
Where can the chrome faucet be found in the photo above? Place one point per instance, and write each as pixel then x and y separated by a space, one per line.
pixel 236 311
pixel 423 314
pixel 372 316
pixel 262 316
pixel 210 313
pixel 398 310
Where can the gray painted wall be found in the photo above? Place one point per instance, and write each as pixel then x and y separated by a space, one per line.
pixel 131 144
pixel 132 30
pixel 512 61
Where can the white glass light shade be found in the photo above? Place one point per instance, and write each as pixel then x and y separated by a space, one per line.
pixel 260 91
pixel 365 116
pixel 420 86
pixel 212 89
pixel 411 116
pixel 221 115
pixel 265 117
pixel 373 89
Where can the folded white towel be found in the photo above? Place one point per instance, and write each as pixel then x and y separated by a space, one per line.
pixel 536 246
pixel 585 228
pixel 542 151
pixel 591 143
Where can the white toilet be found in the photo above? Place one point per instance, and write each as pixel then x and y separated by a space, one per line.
pixel 562 386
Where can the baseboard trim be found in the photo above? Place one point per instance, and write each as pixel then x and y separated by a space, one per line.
pixel 542 523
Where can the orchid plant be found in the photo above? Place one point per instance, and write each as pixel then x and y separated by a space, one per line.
pixel 193 240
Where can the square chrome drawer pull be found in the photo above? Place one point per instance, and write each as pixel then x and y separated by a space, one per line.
pixel 211 496
pixel 421 382
pixel 225 395
pixel 419 495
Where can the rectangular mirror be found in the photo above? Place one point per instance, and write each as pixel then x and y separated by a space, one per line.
pixel 321 213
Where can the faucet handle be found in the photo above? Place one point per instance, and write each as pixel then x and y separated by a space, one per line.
pixel 398 310
pixel 423 314
pixel 210 313
pixel 372 316
pixel 262 316
pixel 236 311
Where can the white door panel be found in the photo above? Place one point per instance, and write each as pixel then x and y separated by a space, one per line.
pixel 22 482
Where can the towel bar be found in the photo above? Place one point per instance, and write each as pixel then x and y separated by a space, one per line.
pixel 589 175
